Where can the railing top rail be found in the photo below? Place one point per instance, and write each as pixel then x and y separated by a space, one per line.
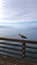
pixel 18 40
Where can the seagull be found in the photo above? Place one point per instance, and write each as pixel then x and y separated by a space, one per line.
pixel 22 36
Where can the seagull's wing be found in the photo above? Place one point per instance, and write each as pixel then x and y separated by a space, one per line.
pixel 22 36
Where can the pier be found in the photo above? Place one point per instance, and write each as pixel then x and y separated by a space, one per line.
pixel 17 52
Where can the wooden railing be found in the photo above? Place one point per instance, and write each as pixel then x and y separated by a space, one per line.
pixel 22 49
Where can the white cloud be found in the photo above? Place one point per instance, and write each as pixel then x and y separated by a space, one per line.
pixel 18 10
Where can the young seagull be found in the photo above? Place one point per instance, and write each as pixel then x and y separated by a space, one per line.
pixel 22 36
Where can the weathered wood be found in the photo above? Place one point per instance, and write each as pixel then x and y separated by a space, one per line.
pixel 10 52
pixel 30 47
pixel 30 52
pixel 23 50
pixel 30 57
pixel 23 46
pixel 14 61
pixel 10 44
pixel 4 47
pixel 19 40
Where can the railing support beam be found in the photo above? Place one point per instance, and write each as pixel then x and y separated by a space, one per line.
pixel 23 51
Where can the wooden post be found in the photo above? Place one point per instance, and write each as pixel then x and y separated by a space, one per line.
pixel 23 51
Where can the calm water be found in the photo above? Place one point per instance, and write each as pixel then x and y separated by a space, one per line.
pixel 31 33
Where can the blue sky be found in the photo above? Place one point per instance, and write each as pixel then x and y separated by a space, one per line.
pixel 18 10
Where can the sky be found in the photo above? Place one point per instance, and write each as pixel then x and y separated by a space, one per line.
pixel 18 10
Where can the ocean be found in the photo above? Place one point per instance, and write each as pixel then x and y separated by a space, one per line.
pixel 12 30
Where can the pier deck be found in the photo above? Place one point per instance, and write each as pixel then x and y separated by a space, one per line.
pixel 14 61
